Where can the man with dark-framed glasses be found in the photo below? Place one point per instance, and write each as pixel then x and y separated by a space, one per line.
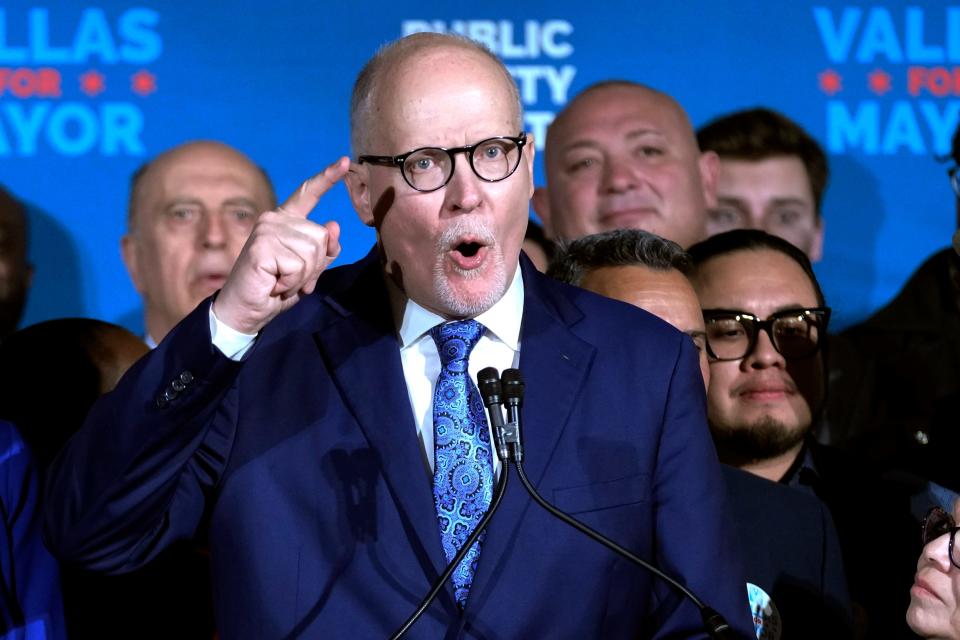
pixel 430 168
pixel 765 318
pixel 766 323
pixel 321 425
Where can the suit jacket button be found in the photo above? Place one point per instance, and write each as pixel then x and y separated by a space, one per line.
pixel 177 385
pixel 186 377
pixel 169 394
pixel 161 402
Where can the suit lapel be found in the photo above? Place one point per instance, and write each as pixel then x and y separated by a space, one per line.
pixel 554 363
pixel 360 347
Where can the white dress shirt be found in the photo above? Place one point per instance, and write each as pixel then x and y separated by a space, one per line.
pixel 498 347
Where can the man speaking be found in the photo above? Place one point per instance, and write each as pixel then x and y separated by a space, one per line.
pixel 324 432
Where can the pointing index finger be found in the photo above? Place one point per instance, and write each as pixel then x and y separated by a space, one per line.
pixel 304 199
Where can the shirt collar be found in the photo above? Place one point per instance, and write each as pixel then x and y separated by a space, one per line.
pixel 502 320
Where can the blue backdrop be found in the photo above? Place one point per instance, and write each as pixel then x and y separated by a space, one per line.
pixel 88 92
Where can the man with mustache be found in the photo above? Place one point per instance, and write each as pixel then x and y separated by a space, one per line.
pixel 623 155
pixel 330 441
pixel 797 588
pixel 191 209
pixel 766 325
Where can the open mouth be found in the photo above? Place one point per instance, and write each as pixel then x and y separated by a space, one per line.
pixel 468 254
pixel 468 249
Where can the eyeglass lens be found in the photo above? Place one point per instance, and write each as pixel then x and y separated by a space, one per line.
pixel 796 335
pixel 938 523
pixel 431 168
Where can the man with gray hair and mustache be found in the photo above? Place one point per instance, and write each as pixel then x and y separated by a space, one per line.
pixel 322 427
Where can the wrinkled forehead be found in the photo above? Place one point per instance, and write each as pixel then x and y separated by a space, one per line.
pixel 199 168
pixel 621 110
pixel 442 90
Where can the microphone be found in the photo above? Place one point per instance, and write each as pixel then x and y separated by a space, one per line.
pixel 512 383
pixel 512 388
pixel 488 382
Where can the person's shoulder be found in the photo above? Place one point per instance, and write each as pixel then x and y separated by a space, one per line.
pixel 918 306
pixel 10 442
pixel 771 498
pixel 614 318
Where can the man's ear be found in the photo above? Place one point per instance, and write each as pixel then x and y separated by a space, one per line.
pixel 357 180
pixel 541 205
pixel 816 247
pixel 709 172
pixel 529 154
pixel 128 251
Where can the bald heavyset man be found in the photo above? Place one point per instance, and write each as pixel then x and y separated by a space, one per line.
pixel 191 209
pixel 623 155
pixel 322 427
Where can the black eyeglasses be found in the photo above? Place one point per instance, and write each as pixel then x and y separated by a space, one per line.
pixel 936 523
pixel 430 168
pixel 954 173
pixel 795 333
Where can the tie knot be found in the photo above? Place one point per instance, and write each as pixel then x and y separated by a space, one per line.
pixel 455 341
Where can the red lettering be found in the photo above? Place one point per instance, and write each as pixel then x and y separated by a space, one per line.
pixel 937 81
pixel 49 85
pixel 915 80
pixel 30 83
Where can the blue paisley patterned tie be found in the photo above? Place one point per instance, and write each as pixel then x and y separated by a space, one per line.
pixel 463 467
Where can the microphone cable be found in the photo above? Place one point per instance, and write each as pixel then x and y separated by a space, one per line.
pixel 498 492
pixel 512 390
pixel 509 449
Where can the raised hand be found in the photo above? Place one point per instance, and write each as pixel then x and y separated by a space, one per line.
pixel 283 257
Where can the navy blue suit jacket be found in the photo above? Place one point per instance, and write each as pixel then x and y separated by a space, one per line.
pixel 302 467
pixel 791 551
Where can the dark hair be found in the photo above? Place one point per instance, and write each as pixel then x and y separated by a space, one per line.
pixel 78 358
pixel 17 210
pixel 619 248
pixel 752 240
pixel 758 134
pixel 536 235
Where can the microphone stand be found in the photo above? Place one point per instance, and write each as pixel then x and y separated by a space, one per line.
pixel 509 448
pixel 716 626
pixel 513 388
pixel 498 492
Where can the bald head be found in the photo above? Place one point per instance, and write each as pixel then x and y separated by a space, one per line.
pixel 644 97
pixel 192 155
pixel 385 70
pixel 191 210
pixel 623 155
